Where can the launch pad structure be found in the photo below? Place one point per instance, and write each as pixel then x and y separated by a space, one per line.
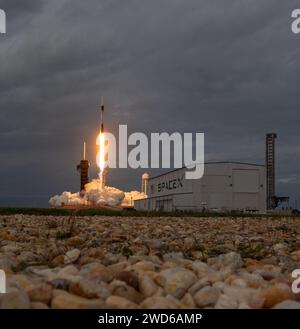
pixel 270 166
pixel 83 169
pixel 273 201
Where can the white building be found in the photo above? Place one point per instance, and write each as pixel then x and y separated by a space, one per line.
pixel 225 186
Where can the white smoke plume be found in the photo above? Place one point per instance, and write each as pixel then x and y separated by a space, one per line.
pixel 96 196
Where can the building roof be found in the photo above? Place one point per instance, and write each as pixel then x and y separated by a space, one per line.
pixel 211 162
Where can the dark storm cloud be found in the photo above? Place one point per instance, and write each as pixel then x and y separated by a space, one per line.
pixel 20 7
pixel 228 68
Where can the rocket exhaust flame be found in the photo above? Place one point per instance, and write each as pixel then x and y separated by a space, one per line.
pixel 100 159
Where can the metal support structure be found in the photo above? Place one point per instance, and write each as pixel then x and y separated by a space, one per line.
pixel 270 166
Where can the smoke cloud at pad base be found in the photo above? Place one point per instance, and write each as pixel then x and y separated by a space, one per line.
pixel 97 196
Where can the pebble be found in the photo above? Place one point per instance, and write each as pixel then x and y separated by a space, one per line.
pixel 89 289
pixel 199 285
pixel 15 300
pixel 200 268
pixel 226 302
pixel 157 302
pixel 232 260
pixel 253 280
pixel 71 256
pixel 156 244
pixel 120 302
pixel 288 304
pixel 147 286
pixel 276 294
pixel 64 300
pixel 207 296
pixel 296 255
pixel 189 244
pixel 188 301
pixel 41 292
pixel 98 272
pixel 248 296
pixel 38 306
pixel 176 281
pixel 144 266
pixel 281 248
pixel 166 262
pixel 12 247
pixel 120 288
pixel 129 277
pixel 74 241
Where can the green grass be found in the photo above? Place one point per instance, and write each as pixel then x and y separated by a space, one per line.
pixel 252 251
pixel 125 251
pixel 124 213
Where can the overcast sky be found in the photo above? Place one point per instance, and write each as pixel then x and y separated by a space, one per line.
pixel 228 68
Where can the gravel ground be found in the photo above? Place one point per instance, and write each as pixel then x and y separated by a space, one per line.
pixel 122 262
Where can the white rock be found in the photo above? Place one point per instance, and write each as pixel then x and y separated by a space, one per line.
pixel 64 300
pixel 219 285
pixel 188 301
pixel 147 286
pixel 232 260
pixel 71 256
pixel 173 255
pixel 288 304
pixel 253 280
pixel 176 281
pixel 200 268
pixel 120 303
pixel 239 283
pixel 207 296
pixel 226 302
pixel 242 295
pixel 67 270
pixel 157 303
pixel 281 248
pixel 69 273
pixel 198 285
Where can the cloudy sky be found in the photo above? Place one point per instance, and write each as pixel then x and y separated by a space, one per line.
pixel 228 68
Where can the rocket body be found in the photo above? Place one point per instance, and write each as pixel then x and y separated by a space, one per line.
pixel 101 119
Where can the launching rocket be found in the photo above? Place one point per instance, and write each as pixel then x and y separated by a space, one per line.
pixel 101 116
